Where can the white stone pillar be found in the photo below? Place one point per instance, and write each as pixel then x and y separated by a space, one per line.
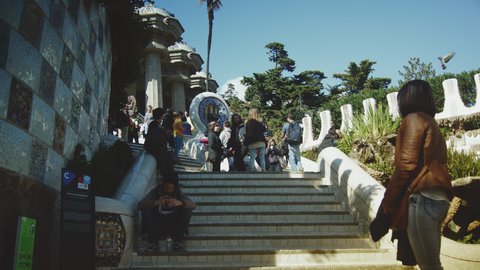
pixel 178 96
pixel 393 105
pixel 153 80
pixel 347 116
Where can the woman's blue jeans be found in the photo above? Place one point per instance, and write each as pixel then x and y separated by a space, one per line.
pixel 252 153
pixel 294 158
pixel 425 218
pixel 178 145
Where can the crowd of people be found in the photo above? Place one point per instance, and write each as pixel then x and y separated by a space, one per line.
pixel 250 146
pixel 128 124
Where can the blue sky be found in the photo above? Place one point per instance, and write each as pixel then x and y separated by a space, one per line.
pixel 327 35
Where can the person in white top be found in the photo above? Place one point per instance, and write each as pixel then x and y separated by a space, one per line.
pixel 224 138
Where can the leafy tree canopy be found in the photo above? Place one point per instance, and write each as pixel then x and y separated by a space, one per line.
pixel 276 94
pixel 234 102
pixel 416 70
pixel 356 78
pixel 279 56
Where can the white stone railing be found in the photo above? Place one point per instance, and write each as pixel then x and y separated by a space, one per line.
pixel 347 116
pixel 308 142
pixel 363 195
pixel 194 148
pixel 139 180
pixel 454 108
pixel 361 192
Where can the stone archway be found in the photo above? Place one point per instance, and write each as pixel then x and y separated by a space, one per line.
pixel 206 107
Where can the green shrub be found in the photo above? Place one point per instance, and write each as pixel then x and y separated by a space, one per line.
pixel 375 131
pixel 311 154
pixel 367 141
pixel 462 164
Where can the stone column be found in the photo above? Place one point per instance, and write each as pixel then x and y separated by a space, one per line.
pixel 178 96
pixel 153 80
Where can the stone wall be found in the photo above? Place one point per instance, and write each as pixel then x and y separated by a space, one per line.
pixel 55 64
pixel 54 83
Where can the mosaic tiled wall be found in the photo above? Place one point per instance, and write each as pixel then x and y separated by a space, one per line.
pixel 54 83
pixel 109 239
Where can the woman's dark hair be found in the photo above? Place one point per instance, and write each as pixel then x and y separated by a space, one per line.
pixel 416 96
pixel 171 178
pixel 233 116
pixel 212 125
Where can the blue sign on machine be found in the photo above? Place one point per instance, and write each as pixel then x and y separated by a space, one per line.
pixel 77 223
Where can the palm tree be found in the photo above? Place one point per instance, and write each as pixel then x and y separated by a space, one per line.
pixel 212 6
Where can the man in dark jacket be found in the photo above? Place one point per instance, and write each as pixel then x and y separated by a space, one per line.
pixel 215 146
pixel 156 143
pixel 165 212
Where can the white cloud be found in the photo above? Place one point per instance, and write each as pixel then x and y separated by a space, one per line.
pixel 239 87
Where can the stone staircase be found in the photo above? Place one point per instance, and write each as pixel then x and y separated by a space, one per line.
pixel 267 221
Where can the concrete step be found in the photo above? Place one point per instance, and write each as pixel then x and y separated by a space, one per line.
pixel 269 217
pixel 248 189
pixel 280 241
pixel 282 198
pixel 274 228
pixel 271 259
pixel 246 175
pixel 257 207
pixel 267 221
pixel 188 162
pixel 252 182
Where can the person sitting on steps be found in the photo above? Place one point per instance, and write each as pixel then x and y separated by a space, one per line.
pixel 165 212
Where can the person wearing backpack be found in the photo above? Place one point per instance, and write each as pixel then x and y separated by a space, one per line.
pixel 292 135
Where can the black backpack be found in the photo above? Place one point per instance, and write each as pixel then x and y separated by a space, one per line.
pixel 294 134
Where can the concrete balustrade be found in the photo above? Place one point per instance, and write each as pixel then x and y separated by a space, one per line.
pixel 364 194
pixel 194 148
pixel 326 122
pixel 477 99
pixel 141 177
pixel 454 108
pixel 454 105
pixel 307 127
pixel 369 106
pixel 347 115
pixel 393 105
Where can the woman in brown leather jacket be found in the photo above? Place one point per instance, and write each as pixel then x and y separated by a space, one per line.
pixel 420 175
